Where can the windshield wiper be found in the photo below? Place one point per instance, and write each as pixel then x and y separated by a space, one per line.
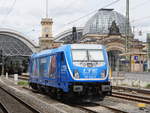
pixel 82 61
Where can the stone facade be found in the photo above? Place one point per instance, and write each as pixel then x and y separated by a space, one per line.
pixel 106 27
pixel 46 41
pixel 117 43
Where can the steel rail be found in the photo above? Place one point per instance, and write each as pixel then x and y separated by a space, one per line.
pixel 90 110
pixel 111 108
pixel 3 108
pixel 84 108
pixel 31 108
pixel 136 96
pixel 144 91
pixel 131 97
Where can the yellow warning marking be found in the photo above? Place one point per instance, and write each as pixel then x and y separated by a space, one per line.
pixel 110 72
pixel 141 105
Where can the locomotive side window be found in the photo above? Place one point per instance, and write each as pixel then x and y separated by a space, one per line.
pixel 43 64
pixel 31 67
pixel 52 66
pixel 34 68
pixel 35 72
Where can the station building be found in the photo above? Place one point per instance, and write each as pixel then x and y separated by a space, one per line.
pixel 106 27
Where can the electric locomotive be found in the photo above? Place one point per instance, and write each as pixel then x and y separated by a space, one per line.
pixel 75 70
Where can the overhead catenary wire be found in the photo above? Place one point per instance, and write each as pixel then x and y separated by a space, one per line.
pixel 9 11
pixel 108 6
pixel 92 12
pixel 3 3
pixel 135 7
pixel 11 8
pixel 141 4
pixel 111 3
pixel 140 19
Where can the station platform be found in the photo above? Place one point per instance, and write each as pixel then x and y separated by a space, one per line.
pixel 40 101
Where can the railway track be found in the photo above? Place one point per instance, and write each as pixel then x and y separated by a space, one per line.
pixel 137 98
pixel 15 103
pixel 3 109
pixel 143 91
pixel 98 107
pixel 89 109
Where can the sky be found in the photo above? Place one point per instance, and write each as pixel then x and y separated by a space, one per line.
pixel 25 15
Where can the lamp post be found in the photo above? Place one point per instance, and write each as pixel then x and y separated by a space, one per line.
pixel 127 45
pixel 127 26
pixel 148 52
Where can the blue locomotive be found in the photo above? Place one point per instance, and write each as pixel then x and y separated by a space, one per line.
pixel 75 70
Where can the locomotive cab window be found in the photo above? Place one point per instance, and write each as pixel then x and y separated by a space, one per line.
pixel 83 57
pixel 96 55
pixel 79 55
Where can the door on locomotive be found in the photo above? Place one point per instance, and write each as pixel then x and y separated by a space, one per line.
pixel 63 68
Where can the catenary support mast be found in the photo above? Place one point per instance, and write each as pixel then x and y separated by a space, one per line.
pixel 46 8
pixel 127 27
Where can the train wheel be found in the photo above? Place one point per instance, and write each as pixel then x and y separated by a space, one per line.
pixel 40 88
pixel 33 86
pixel 53 93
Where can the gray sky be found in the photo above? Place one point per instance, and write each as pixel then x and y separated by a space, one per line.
pixel 25 15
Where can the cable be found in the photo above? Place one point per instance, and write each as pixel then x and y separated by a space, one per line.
pixel 133 8
pixel 111 3
pixel 81 17
pixel 11 9
pixel 143 18
pixel 92 12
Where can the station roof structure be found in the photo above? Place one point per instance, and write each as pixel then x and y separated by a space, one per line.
pixel 102 21
pixel 98 24
pixel 13 43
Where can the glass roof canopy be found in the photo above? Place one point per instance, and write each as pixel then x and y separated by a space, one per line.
pixel 102 21
pixel 12 46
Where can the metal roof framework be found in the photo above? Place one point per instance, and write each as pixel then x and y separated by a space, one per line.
pixel 14 44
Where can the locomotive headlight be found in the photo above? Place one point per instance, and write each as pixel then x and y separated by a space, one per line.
pixel 103 74
pixel 76 74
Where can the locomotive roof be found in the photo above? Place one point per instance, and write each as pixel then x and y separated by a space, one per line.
pixel 63 47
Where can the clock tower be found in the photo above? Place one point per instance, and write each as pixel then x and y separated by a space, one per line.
pixel 46 39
